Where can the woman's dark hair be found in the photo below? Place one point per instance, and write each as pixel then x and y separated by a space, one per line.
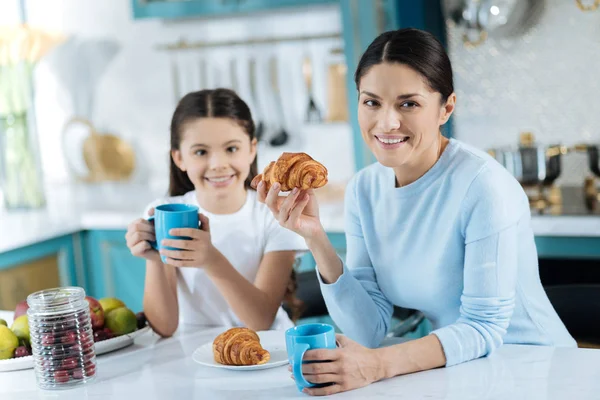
pixel 415 48
pixel 214 103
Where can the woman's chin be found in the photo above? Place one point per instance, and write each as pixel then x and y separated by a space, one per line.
pixel 391 160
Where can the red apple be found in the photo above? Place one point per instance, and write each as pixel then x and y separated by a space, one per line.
pixel 21 309
pixel 96 312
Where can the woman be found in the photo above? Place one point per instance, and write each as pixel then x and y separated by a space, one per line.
pixel 435 225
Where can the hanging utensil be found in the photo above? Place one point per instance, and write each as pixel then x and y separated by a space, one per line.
pixel 202 74
pixel 176 84
pixel 233 76
pixel 260 126
pixel 337 101
pixel 282 136
pixel 312 112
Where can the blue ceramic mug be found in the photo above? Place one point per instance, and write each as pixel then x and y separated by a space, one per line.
pixel 171 216
pixel 301 338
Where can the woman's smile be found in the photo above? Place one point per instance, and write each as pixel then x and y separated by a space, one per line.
pixel 390 142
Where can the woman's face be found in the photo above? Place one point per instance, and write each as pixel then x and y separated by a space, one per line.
pixel 216 154
pixel 399 114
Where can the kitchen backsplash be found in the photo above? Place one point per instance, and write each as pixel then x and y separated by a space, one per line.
pixel 545 82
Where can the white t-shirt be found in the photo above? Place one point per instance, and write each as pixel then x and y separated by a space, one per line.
pixel 243 238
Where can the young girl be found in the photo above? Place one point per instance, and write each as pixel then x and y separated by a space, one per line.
pixel 236 269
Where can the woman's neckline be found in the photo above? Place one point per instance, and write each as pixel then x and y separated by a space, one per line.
pixel 428 177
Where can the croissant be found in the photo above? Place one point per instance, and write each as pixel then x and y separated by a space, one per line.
pixel 239 346
pixel 293 170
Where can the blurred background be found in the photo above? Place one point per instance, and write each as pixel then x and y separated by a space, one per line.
pixel 88 89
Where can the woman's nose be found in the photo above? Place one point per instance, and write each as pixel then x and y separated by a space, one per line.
pixel 389 120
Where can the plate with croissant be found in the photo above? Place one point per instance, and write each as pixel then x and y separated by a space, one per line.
pixel 243 349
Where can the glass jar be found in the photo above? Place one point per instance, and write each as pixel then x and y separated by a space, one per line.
pixel 62 342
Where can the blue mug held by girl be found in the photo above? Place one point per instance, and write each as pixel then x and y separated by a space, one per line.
pixel 301 338
pixel 171 216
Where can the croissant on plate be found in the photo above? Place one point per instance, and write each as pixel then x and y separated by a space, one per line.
pixel 293 170
pixel 239 346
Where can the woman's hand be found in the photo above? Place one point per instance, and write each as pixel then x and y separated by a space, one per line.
pixel 298 212
pixel 351 366
pixel 197 252
pixel 139 235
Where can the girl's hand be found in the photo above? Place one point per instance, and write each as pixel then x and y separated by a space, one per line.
pixel 138 235
pixel 351 366
pixel 197 252
pixel 298 212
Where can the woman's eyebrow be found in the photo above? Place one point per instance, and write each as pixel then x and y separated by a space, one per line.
pixel 408 96
pixel 400 97
pixel 370 94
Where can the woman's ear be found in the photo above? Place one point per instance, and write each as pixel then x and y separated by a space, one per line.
pixel 448 109
pixel 177 159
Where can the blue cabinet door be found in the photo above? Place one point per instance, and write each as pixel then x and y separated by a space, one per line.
pixel 112 270
pixel 44 265
pixel 168 9
pixel 265 5
pixel 181 9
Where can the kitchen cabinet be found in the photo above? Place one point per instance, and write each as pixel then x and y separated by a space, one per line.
pixel 568 247
pixel 50 263
pixel 112 270
pixel 173 9
pixel 265 5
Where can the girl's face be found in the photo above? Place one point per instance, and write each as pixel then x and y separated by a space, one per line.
pixel 216 154
pixel 399 114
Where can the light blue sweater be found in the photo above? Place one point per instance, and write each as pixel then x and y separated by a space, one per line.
pixel 457 245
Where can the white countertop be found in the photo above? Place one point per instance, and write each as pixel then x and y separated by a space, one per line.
pixel 114 206
pixel 154 368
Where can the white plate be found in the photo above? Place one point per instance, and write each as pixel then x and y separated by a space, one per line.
pixel 105 346
pixel 272 341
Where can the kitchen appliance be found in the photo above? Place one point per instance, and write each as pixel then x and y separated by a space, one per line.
pixel 535 166
pixel 481 19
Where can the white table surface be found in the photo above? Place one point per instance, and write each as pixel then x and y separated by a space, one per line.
pixel 155 368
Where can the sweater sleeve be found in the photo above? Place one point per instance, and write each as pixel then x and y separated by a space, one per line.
pixel 491 228
pixel 355 301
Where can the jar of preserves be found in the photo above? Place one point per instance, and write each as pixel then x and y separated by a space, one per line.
pixel 62 342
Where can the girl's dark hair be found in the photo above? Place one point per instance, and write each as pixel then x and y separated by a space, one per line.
pixel 415 48
pixel 214 103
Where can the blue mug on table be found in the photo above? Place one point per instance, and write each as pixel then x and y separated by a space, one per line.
pixel 301 338
pixel 171 216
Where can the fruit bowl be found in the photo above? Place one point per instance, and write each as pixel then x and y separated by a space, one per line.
pixel 102 347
